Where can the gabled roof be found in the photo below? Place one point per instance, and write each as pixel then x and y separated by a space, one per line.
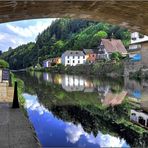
pixel 113 45
pixel 73 53
pixel 90 51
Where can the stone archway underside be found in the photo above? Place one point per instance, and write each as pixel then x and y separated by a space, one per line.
pixel 129 14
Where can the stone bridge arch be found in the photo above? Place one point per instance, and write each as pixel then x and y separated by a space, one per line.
pixel 129 14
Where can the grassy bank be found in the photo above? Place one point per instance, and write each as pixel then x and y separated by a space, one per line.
pixel 97 69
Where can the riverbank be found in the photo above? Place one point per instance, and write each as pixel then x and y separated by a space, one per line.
pixel 15 129
pixel 98 69
pixel 104 69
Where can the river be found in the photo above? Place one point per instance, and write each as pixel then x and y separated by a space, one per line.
pixel 79 111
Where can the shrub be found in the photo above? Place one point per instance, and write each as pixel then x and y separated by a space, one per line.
pixel 3 64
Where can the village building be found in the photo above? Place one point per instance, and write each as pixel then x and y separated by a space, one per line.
pixel 139 117
pixel 52 61
pixel 109 46
pixel 90 55
pixel 73 58
pixel 138 49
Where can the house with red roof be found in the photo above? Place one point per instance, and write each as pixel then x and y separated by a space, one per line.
pixel 109 46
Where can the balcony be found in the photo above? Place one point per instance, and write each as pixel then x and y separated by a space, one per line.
pixel 134 47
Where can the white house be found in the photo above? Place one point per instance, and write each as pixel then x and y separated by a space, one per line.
pixel 138 48
pixel 136 38
pixel 73 58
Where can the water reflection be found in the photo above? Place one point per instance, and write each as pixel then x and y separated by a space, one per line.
pixel 139 117
pixel 49 128
pixel 84 111
pixel 70 83
pixel 110 94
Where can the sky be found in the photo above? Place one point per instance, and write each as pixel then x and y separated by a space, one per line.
pixel 13 34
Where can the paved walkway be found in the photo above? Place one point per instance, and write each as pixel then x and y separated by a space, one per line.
pixel 15 129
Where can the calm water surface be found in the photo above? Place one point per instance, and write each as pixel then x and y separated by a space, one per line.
pixel 77 111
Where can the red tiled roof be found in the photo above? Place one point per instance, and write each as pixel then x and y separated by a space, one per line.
pixel 113 45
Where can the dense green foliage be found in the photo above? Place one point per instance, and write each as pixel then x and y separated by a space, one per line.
pixel 116 56
pixel 3 64
pixel 19 57
pixel 62 35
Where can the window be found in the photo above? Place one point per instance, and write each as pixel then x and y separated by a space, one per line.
pixel 67 57
pixel 78 57
pixel 78 61
pixel 68 61
pixel 73 57
pixel 73 61
pixel 83 57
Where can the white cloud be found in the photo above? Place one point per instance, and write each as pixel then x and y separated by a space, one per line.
pixel 22 32
pixel 74 132
pixel 2 37
pixel 31 102
pixel 31 30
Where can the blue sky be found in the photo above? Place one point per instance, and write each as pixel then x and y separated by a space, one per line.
pixel 13 34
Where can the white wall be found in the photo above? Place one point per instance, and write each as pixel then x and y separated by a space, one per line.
pixel 0 75
pixel 75 59
pixel 45 64
pixel 137 39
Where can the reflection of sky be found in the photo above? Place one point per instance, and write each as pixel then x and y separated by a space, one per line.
pixel 52 131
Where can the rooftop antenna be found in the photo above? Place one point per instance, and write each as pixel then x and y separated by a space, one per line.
pixel 112 36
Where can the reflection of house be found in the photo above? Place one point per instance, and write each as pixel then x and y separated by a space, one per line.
pixel 51 61
pixel 47 77
pixel 133 88
pixel 57 78
pixel 103 90
pixel 73 58
pixel 113 98
pixel 89 86
pixel 72 83
pixel 108 46
pixel 76 83
pixel 90 55
pixel 139 117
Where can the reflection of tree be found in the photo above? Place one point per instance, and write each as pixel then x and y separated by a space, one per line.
pixel 103 121
pixel 86 108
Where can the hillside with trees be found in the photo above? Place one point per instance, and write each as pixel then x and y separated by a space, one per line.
pixel 62 35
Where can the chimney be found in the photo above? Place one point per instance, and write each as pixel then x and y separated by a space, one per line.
pixel 112 36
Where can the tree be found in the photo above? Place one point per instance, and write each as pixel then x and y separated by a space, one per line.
pixel 0 52
pixel 101 34
pixel 3 64
pixel 116 56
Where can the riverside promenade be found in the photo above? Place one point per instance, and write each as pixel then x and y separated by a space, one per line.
pixel 15 129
